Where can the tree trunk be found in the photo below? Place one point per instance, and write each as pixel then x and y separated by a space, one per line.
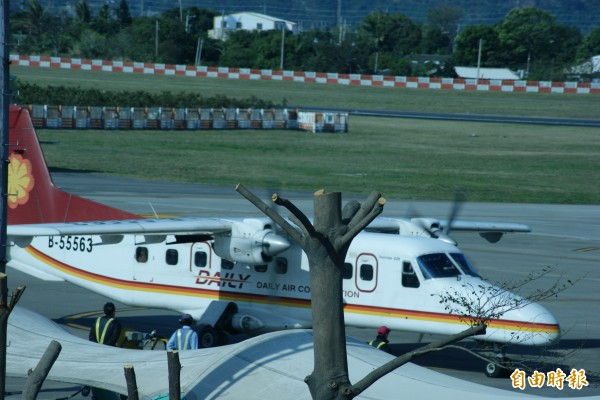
pixel 174 375
pixel 330 375
pixel 6 308
pixel 132 389
pixel 36 379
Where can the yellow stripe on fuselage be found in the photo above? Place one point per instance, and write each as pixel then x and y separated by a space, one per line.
pixel 285 301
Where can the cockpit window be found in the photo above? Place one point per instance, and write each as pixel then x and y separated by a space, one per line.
pixel 437 265
pixel 464 264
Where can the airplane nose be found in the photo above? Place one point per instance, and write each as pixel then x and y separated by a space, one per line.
pixel 532 324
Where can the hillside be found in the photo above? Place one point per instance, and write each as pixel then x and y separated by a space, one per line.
pixel 585 14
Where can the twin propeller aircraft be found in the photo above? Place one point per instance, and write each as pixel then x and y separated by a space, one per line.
pixel 242 275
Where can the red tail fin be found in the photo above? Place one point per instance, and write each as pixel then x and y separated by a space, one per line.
pixel 32 196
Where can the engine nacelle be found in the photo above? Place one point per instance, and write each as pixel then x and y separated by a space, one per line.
pixel 432 228
pixel 253 249
pixel 246 323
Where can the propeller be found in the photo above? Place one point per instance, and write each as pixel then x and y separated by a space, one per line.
pixel 433 226
pixel 460 196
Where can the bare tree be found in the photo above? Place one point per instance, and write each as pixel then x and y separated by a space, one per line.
pixel 479 304
pixel 6 307
pixel 326 242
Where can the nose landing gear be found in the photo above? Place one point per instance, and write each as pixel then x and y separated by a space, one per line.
pixel 500 365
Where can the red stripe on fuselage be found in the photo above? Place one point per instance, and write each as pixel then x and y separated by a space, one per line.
pixel 281 301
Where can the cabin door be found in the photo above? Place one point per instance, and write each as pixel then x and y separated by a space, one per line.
pixel 366 272
pixel 200 257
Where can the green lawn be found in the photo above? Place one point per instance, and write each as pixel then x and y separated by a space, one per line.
pixel 402 158
pixel 314 94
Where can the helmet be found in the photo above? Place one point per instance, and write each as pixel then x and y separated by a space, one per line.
pixel 383 330
pixel 109 309
pixel 186 319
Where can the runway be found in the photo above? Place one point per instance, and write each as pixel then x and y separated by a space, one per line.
pixel 564 237
pixel 501 119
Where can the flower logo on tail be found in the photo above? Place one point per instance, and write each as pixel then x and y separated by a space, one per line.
pixel 20 180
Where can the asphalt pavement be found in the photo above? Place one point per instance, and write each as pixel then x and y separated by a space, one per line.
pixel 563 237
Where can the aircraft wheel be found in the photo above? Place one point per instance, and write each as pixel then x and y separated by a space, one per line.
pixel 207 337
pixel 498 368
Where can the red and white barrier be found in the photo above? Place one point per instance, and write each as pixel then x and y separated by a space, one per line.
pixel 309 77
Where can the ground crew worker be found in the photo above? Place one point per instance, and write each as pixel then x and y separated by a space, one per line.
pixel 107 328
pixel 381 341
pixel 184 338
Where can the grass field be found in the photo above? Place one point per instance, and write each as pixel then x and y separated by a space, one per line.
pixel 402 158
pixel 313 94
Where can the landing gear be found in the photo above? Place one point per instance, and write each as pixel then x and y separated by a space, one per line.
pixel 499 367
pixel 215 323
pixel 208 337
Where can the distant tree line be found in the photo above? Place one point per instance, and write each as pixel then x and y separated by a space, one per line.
pixel 61 95
pixel 527 39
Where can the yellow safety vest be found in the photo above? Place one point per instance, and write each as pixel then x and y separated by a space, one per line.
pixel 186 340
pixel 379 345
pixel 100 338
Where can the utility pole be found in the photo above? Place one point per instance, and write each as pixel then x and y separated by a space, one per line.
pixel 282 45
pixel 479 57
pixel 156 41
pixel 4 117
pixel 199 51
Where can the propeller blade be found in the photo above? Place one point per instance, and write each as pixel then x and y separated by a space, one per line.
pixel 459 199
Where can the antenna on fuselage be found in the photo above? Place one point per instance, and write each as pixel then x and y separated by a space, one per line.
pixel 153 210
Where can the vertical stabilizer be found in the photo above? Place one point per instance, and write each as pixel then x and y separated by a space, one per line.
pixel 32 196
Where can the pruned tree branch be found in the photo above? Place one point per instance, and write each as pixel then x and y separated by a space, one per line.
pixel 366 208
pixel 262 206
pixel 378 373
pixel 14 299
pixel 174 367
pixel 304 222
pixel 132 388
pixel 365 215
pixel 36 379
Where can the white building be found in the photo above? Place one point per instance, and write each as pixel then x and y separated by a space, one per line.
pixel 589 69
pixel 248 21
pixel 486 73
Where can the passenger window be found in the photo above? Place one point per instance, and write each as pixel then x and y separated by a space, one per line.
pixel 281 265
pixel 226 264
pixel 200 259
pixel 260 268
pixel 172 257
pixel 141 254
pixel 409 277
pixel 347 272
pixel 366 272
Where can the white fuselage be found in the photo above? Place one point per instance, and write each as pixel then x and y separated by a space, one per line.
pixel 385 282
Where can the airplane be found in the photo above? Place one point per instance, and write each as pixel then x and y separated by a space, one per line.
pixel 242 275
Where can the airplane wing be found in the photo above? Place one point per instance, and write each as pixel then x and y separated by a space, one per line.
pixel 267 366
pixel 390 225
pixel 150 226
pixel 432 227
pixel 481 226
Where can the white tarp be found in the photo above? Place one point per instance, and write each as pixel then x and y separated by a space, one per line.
pixel 271 366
